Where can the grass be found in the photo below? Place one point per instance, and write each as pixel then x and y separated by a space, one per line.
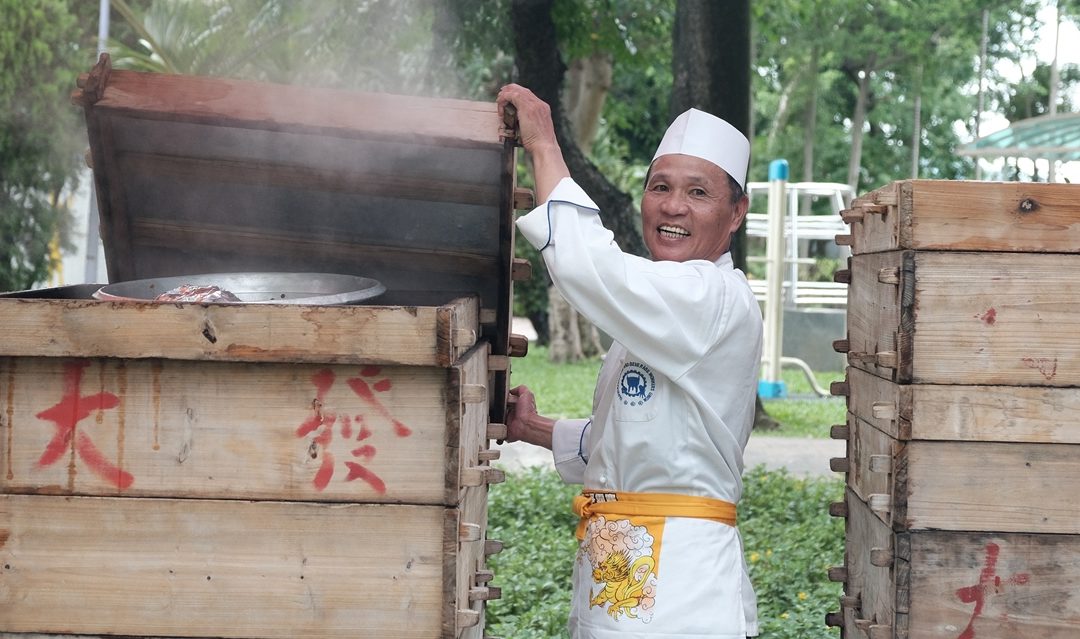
pixel 566 390
pixel 789 540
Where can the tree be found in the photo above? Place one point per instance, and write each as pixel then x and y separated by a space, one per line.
pixel 40 141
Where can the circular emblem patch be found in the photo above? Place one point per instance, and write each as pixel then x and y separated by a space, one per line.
pixel 637 384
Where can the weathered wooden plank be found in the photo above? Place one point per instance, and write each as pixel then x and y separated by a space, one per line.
pixel 994 585
pixel 992 486
pixel 873 586
pixel 220 568
pixel 230 430
pixel 252 333
pixel 969 216
pixel 867 476
pixel 240 103
pixel 966 413
pixel 966 318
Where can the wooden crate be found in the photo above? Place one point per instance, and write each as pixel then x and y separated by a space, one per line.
pixel 965 216
pixel 244 487
pixel 963 412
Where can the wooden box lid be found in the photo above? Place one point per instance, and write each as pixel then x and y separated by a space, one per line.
pixel 200 175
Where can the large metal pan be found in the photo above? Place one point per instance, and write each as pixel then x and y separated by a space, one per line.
pixel 256 288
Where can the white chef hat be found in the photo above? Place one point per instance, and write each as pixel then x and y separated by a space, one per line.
pixel 708 137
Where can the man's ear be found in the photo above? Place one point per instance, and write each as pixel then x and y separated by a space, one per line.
pixel 739 213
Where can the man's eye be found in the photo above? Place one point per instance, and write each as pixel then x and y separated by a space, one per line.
pixel 698 192
pixel 659 187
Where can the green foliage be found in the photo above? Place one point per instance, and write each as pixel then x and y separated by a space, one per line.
pixel 562 390
pixel 788 537
pixel 39 139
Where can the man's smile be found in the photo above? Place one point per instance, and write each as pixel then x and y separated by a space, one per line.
pixel 673 232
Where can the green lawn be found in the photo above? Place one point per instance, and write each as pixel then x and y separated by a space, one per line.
pixel 566 391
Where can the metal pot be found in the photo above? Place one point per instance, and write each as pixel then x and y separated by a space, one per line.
pixel 255 288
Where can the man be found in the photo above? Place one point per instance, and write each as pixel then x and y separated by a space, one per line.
pixel 661 458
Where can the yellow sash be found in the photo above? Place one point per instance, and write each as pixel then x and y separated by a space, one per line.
pixel 598 502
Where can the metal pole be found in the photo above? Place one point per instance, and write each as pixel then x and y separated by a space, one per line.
pixel 772 386
pixel 1054 80
pixel 93 232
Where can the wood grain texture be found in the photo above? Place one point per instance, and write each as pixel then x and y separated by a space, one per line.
pixel 403 335
pixel 866 442
pixel 958 215
pixel 230 430
pixel 998 585
pixel 874 313
pixel 220 568
pixel 874 586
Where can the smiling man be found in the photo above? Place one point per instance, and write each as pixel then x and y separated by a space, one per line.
pixel 661 457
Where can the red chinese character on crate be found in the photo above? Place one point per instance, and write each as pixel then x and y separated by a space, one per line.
pixel 989 581
pixel 323 420
pixel 72 408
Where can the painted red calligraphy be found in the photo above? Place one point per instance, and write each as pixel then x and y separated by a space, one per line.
pixel 989 581
pixel 323 420
pixel 72 408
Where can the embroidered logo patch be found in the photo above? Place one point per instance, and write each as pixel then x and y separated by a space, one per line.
pixel 637 384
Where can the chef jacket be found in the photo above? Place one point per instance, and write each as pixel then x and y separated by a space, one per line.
pixel 672 411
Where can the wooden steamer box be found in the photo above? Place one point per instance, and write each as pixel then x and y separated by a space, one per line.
pixel 278 470
pixel 963 427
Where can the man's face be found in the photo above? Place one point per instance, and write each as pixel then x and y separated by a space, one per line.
pixel 686 211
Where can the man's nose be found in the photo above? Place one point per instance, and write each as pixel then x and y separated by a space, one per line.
pixel 675 204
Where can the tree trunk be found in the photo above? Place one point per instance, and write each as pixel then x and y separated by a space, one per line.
pixel 916 134
pixel 588 84
pixel 711 70
pixel 858 120
pixel 810 124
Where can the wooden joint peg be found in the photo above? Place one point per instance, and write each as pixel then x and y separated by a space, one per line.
pixel 841 345
pixel 524 199
pixel 483 576
pixel 840 389
pixel 839 464
pixel 469 532
pixel 843 240
pixel 520 269
pixel 463 337
pixel 519 345
pixel 862 624
pixel 839 431
pixel 880 463
pixel 496 431
pixel 886 198
pixel 850 601
pixel 480 475
pixel 488 316
pixel 488 455
pixel 838 573
pixel 467 618
pixel 883 410
pixel 88 158
pixel 484 593
pixel 889 275
pixel 852 215
pixel 838 509
pixel 498 362
pixel 492 547
pixel 881 557
pixel 880 503
pixel 879 631
pixel 834 619
pixel 473 393
pixel 842 276
pixel 885 359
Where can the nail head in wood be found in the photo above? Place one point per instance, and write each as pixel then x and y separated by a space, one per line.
pixel 839 464
pixel 840 431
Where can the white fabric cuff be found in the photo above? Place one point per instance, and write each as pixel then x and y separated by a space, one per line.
pixel 568 440
pixel 536 224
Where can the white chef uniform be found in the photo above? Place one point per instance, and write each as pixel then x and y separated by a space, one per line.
pixel 672 411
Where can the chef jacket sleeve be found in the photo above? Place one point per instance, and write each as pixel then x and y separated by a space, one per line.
pixel 568 447
pixel 668 313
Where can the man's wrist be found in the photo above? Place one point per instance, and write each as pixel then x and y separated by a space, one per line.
pixel 539 430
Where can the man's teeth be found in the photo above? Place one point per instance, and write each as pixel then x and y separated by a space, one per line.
pixel 674 231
